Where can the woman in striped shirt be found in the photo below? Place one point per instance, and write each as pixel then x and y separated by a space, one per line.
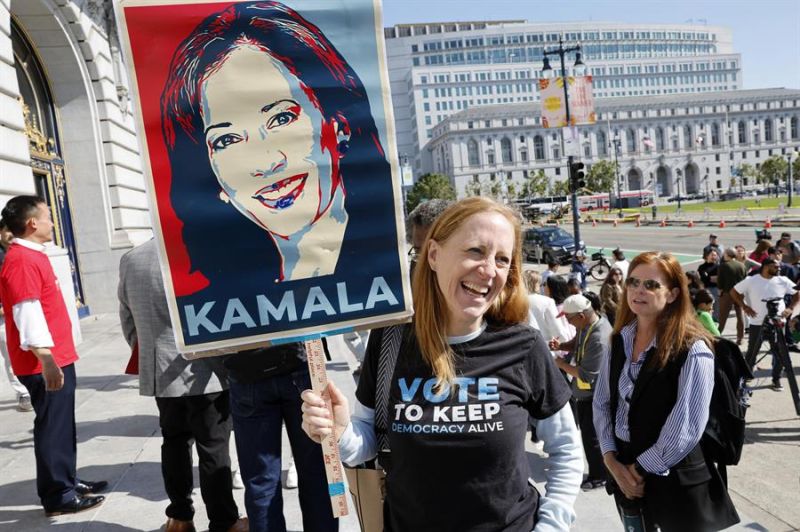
pixel 651 405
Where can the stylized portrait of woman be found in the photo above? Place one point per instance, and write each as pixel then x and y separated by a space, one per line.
pixel 273 150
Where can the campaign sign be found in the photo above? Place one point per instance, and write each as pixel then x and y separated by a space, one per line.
pixel 274 182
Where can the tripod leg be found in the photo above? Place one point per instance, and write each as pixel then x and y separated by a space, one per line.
pixel 786 361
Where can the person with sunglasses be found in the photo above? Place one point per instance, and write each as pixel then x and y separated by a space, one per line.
pixel 651 405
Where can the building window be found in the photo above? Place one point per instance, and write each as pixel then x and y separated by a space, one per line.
pixel 556 152
pixel 523 155
pixel 505 150
pixel 487 123
pixel 472 153
pixel 538 147
pixel 742 132
pixel 630 140
pixel 793 128
pixel 660 146
pixel 470 125
pixel 558 171
pixel 715 134
pixel 587 150
pixel 768 130
pixel 490 157
pixel 602 144
pixel 687 137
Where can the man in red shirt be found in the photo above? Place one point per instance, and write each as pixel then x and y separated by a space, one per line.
pixel 42 353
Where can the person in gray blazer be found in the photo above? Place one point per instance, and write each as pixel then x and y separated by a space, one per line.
pixel 191 396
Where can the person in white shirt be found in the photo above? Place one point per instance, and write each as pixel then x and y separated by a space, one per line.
pixel 543 311
pixel 621 262
pixel 751 294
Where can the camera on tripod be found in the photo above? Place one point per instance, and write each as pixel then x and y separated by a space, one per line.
pixel 773 305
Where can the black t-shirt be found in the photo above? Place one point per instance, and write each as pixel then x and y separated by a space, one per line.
pixel 458 459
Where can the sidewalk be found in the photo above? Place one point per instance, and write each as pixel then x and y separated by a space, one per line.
pixel 119 441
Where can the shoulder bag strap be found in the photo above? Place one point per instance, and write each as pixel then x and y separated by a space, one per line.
pixel 390 348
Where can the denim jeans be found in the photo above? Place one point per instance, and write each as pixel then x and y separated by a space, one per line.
pixel 258 410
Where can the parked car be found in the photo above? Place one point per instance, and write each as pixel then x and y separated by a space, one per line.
pixel 544 244
pixel 673 199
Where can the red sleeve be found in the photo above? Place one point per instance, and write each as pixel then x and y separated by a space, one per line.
pixel 21 282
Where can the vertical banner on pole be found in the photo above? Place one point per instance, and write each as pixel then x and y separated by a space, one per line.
pixel 581 101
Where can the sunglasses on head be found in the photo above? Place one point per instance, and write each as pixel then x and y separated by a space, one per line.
pixel 649 284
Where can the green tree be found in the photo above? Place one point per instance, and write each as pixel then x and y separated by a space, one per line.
pixel 796 168
pixel 774 170
pixel 473 188
pixel 733 183
pixel 535 186
pixel 749 173
pixel 427 187
pixel 560 188
pixel 602 176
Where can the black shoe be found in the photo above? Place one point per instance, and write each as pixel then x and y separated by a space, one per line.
pixel 777 386
pixel 77 504
pixel 793 347
pixel 87 487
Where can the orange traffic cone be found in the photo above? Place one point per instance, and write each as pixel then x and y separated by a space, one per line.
pixel 722 224
pixel 663 222
pixel 691 223
pixel 768 224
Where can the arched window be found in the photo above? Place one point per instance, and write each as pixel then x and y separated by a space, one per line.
pixel 715 134
pixel 630 139
pixel 688 141
pixel 768 130
pixel 660 146
pixel 538 148
pixel 472 153
pixel 742 132
pixel 793 128
pixel 505 151
pixel 602 144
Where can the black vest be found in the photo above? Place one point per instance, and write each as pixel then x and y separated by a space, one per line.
pixel 692 497
pixel 655 392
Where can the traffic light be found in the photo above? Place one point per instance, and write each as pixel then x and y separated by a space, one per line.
pixel 577 176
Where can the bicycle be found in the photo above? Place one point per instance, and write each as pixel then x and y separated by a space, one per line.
pixel 772 330
pixel 599 271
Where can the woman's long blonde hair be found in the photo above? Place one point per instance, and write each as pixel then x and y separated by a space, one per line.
pixel 678 327
pixel 431 319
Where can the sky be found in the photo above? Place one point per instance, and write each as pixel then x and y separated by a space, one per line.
pixel 765 32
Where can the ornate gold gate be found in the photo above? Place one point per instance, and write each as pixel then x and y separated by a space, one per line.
pixel 50 181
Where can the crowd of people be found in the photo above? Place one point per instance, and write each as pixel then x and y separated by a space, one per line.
pixel 621 379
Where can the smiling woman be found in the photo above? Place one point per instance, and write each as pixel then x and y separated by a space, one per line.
pixel 265 124
pixel 469 373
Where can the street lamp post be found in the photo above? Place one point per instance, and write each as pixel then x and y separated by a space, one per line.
pixel 616 142
pixel 790 156
pixel 561 51
pixel 678 184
